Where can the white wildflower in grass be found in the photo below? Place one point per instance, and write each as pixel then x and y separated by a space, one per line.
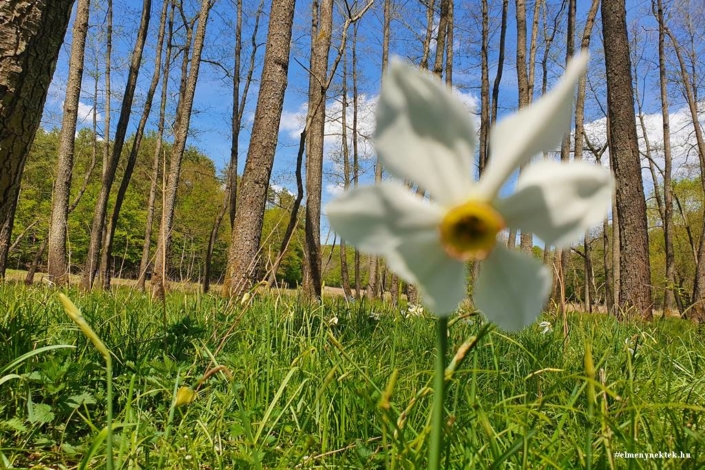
pixel 414 310
pixel 375 316
pixel 547 327
pixel 425 135
pixel 333 321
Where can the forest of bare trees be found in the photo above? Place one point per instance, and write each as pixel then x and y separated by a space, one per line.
pixel 237 120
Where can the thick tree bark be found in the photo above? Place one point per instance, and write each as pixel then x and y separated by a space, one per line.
pixel 183 122
pixel 100 234
pixel 524 99
pixel 635 291
pixel 321 30
pixel 252 199
pixel 32 32
pixel 58 269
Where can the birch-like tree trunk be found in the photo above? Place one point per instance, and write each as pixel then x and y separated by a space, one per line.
pixel 58 268
pixel 355 96
pixel 156 161
pixel 134 150
pixel 99 232
pixel 580 141
pixel 697 312
pixel 669 300
pixel 321 31
pixel 183 121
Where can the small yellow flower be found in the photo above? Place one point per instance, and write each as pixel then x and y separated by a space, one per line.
pixel 184 396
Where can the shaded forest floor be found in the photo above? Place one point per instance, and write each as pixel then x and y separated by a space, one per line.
pixel 337 385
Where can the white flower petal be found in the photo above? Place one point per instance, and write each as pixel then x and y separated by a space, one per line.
pixel 559 201
pixel 441 280
pixel 424 134
pixel 512 288
pixel 532 130
pixel 379 218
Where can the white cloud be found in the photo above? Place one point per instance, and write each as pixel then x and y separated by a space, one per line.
pixel 85 113
pixel 334 189
pixel 292 122
pixel 683 144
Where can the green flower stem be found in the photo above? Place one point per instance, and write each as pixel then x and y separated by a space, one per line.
pixel 109 372
pixel 436 449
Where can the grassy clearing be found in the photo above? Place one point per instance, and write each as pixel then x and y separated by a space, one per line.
pixel 293 388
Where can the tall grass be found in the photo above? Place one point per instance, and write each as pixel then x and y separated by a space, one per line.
pixel 294 389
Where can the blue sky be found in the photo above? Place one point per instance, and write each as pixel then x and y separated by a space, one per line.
pixel 210 123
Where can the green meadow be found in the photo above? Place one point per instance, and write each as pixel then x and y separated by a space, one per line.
pixel 284 384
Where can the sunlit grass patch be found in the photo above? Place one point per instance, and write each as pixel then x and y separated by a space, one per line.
pixel 296 389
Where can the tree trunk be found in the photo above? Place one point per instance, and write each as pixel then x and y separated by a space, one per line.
pixel 449 52
pixel 697 313
pixel 484 90
pixel 58 268
pixel 252 199
pixel 526 238
pixel 430 13
pixel 31 34
pixel 669 295
pixel 635 291
pixel 229 204
pixel 183 121
pixel 356 164
pixel 99 229
pixel 443 26
pixel 321 30
pixel 145 261
pixel 293 218
pixel 137 142
pixel 564 254
pixel 579 141
pixel 344 277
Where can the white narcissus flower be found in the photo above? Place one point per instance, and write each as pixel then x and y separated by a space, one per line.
pixel 547 327
pixel 425 135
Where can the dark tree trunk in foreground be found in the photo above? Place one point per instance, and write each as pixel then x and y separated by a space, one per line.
pixel 252 199
pixel 31 31
pixel 58 268
pixel 635 288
